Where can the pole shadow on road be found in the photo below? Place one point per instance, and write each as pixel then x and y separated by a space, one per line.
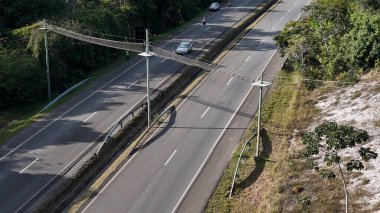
pixel 260 164
pixel 166 127
pixel 220 107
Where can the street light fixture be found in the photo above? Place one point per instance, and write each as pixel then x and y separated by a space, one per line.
pixel 147 54
pixel 46 58
pixel 260 84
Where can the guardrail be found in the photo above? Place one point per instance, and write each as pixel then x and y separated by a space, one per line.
pixel 237 165
pixel 72 187
pixel 120 122
pixel 63 94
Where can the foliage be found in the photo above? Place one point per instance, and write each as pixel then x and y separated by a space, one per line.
pixel 22 78
pixel 364 39
pixel 337 40
pixel 160 15
pixel 328 139
pixel 70 60
pixel 18 13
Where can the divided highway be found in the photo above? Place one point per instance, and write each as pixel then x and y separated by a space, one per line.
pixel 160 176
pixel 42 153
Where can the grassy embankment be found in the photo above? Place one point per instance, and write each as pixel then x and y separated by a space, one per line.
pixel 281 182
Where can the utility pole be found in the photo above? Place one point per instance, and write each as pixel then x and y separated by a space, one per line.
pixel 260 84
pixel 47 59
pixel 147 54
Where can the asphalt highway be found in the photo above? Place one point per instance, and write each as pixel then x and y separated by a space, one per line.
pixel 160 176
pixel 33 160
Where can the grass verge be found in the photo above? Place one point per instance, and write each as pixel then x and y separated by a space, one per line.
pixel 281 182
pixel 16 119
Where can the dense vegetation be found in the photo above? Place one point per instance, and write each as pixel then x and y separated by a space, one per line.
pixel 22 62
pixel 338 40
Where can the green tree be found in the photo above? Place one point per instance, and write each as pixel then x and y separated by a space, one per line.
pixel 364 39
pixel 22 80
pixel 18 13
pixel 329 139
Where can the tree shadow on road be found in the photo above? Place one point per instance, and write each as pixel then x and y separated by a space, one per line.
pixel 260 164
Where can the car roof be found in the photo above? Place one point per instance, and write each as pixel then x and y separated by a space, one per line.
pixel 185 42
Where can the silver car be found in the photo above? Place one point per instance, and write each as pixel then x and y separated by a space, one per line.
pixel 184 47
pixel 214 6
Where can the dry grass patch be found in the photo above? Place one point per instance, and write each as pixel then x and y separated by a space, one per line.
pixel 356 95
pixel 285 183
pixel 377 123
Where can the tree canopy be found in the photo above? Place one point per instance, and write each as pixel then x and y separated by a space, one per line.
pixel 338 40
pixel 22 59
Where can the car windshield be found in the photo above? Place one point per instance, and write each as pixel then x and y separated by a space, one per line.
pixel 214 5
pixel 183 45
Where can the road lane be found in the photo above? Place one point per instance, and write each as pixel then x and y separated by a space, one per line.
pixel 146 184
pixel 61 137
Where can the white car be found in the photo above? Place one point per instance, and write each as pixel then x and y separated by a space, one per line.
pixel 184 47
pixel 214 6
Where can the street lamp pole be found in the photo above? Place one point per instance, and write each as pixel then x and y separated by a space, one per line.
pixel 147 54
pixel 47 59
pixel 260 84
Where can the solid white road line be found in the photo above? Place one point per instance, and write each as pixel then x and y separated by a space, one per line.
pixel 191 183
pixel 163 61
pixel 123 167
pixel 89 117
pixel 179 106
pixel 90 144
pixel 105 187
pixel 205 112
pixel 28 165
pixel 261 41
pixel 99 136
pixel 247 58
pixel 166 163
pixel 216 142
pixel 143 59
pixel 208 28
pixel 63 114
pixel 133 83
pixel 229 81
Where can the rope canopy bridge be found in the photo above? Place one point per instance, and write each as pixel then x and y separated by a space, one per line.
pixel 141 48
pixel 130 46
pixel 144 49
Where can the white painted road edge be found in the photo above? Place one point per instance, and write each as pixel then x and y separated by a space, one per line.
pixel 216 142
pixel 224 130
pixel 67 111
pixel 130 159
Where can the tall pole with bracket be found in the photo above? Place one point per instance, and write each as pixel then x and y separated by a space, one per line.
pixel 260 84
pixel 47 59
pixel 147 54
